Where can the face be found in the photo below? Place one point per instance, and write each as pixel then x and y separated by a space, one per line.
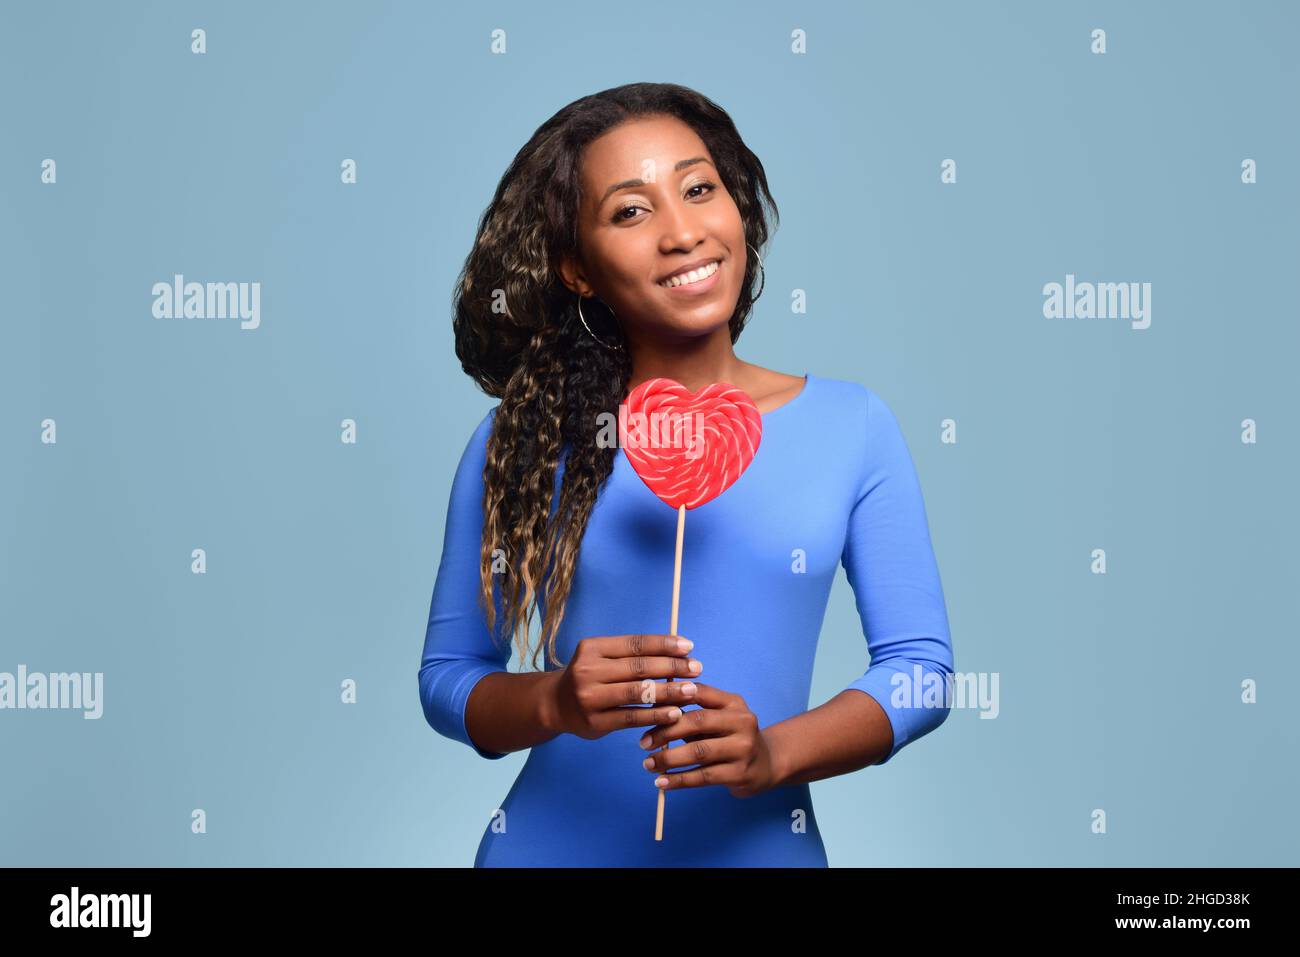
pixel 652 204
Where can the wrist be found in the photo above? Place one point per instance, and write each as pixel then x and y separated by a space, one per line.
pixel 548 713
pixel 777 756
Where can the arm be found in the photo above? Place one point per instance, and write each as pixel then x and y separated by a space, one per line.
pixel 891 567
pixel 464 681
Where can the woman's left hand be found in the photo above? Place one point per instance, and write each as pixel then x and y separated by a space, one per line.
pixel 722 736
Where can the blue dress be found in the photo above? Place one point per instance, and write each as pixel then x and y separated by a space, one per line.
pixel 832 482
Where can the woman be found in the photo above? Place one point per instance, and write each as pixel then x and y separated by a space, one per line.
pixel 645 199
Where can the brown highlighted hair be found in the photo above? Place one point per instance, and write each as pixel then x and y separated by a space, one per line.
pixel 519 337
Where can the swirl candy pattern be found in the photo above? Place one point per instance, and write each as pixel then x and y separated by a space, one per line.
pixel 688 447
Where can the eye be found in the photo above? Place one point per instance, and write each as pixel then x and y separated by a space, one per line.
pixel 618 216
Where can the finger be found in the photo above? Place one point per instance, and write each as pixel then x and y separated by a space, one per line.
pixel 647 691
pixel 647 666
pixel 703 751
pixel 630 646
pixel 615 719
pixel 638 667
pixel 711 696
pixel 694 722
pixel 727 773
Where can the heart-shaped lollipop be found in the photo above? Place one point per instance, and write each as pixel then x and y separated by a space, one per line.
pixel 688 447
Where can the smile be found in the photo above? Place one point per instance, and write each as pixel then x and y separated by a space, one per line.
pixel 695 277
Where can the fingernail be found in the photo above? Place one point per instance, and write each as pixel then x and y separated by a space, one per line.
pixel 661 782
pixel 694 667
pixel 674 714
pixel 648 763
pixel 684 645
pixel 645 742
pixel 688 688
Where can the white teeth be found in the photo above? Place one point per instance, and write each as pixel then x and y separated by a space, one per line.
pixel 695 275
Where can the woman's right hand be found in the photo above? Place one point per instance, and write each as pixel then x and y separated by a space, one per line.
pixel 610 676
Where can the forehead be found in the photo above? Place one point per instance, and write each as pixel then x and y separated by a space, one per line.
pixel 625 151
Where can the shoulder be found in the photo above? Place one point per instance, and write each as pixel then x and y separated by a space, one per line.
pixel 478 438
pixel 857 415
pixel 867 432
pixel 846 400
pixel 474 452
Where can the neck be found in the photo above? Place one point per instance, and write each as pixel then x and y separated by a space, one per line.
pixel 694 362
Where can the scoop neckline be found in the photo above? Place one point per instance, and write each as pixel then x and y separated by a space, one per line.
pixel 807 382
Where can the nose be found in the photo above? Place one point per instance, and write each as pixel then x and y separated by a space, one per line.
pixel 680 228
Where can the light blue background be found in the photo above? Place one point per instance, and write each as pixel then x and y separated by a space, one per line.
pixel 1119 692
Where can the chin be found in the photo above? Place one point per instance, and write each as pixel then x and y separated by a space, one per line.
pixel 686 329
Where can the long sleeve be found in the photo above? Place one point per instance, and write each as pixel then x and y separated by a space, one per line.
pixel 458 647
pixel 891 567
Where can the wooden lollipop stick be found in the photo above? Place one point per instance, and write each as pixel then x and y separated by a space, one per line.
pixel 677 583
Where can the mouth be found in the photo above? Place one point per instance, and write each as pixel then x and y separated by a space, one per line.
pixel 696 277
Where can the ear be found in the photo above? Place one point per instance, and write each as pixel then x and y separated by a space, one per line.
pixel 570 272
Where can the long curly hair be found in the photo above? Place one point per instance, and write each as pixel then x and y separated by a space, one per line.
pixel 518 336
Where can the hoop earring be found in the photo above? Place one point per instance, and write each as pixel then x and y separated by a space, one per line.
pixel 617 348
pixel 761 272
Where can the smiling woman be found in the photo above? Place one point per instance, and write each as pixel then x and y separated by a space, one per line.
pixel 679 230
pixel 645 199
pixel 616 193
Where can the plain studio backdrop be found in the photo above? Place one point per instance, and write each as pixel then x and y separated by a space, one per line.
pixel 1119 693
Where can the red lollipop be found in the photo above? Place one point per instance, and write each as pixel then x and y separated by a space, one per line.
pixel 688 448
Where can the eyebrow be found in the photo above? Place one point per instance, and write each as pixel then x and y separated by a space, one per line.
pixel 628 183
